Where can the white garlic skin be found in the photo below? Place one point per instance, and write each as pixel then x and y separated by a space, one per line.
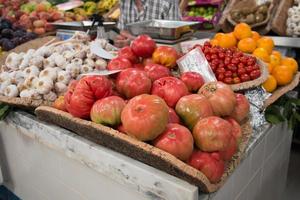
pixel 63 77
pixel 44 85
pixel 11 91
pixel 77 61
pixel 85 69
pixel 49 62
pixel 30 82
pixel 68 55
pixel 60 87
pixel 50 73
pixel 90 62
pixel 73 70
pixel 60 61
pixel 100 64
pixel 30 93
pixel 3 85
pixel 17 77
pixel 37 61
pixel 4 76
pixel 13 61
pixel 51 96
pixel 31 71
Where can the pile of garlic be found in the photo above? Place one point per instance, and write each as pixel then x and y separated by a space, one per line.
pixel 293 21
pixel 46 72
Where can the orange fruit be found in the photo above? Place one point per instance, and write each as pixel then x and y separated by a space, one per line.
pixel 283 74
pixel 262 54
pixel 227 40
pixel 274 60
pixel 218 36
pixel 242 30
pixel 267 43
pixel 247 45
pixel 214 42
pixel 291 63
pixel 255 35
pixel 277 54
pixel 270 84
pixel 270 67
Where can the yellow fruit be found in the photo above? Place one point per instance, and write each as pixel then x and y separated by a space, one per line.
pixel 255 35
pixel 242 31
pixel 267 43
pixel 227 40
pixel 247 45
pixel 262 54
pixel 270 84
pixel 214 42
pixel 270 67
pixel 291 63
pixel 274 60
pixel 218 36
pixel 283 74
pixel 277 54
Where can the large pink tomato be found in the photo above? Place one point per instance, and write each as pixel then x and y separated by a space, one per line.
pixel 126 52
pixel 173 117
pixel 192 108
pixel 192 80
pixel 145 117
pixel 156 71
pixel 119 63
pixel 230 150
pixel 242 108
pixel 132 82
pixel 171 89
pixel 166 56
pixel 143 46
pixel 221 97
pixel 69 93
pixel 210 164
pixel 236 129
pixel 176 140
pixel 212 134
pixel 107 111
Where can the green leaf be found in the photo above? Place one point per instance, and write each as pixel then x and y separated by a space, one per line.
pixel 4 111
pixel 288 110
pixel 291 123
pixel 274 119
pixel 295 101
pixel 297 116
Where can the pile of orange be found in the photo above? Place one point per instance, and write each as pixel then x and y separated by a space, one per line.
pixel 281 70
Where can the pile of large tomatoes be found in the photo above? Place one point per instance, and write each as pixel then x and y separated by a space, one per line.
pixel 230 65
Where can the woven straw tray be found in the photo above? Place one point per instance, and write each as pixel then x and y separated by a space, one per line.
pixel 25 103
pixel 282 90
pixel 141 151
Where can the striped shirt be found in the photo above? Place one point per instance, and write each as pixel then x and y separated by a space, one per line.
pixel 152 9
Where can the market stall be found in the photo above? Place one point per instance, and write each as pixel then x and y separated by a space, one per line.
pixel 172 116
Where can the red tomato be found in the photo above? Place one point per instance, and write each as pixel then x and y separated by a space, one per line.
pixel 156 71
pixel 212 134
pixel 107 111
pixel 127 53
pixel 192 80
pixel 132 82
pixel 138 66
pixel 228 80
pixel 221 70
pixel 119 63
pixel 171 89
pixel 192 108
pixel 143 46
pixel 166 56
pixel 176 140
pixel 148 113
pixel 236 80
pixel 242 108
pixel 241 71
pixel 255 74
pixel 59 103
pixel 245 77
pixel 221 77
pixel 173 117
pixel 228 74
pixel 236 129
pixel 230 150
pixel 210 164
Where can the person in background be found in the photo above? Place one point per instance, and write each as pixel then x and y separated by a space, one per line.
pixel 142 10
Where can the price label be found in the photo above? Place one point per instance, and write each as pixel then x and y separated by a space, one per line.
pixel 195 61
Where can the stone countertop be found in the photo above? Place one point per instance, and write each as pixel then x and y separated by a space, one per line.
pixel 140 177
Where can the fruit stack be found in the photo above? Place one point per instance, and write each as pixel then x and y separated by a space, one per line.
pixel 204 11
pixel 146 102
pixel 282 70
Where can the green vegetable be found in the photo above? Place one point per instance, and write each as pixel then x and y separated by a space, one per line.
pixel 4 110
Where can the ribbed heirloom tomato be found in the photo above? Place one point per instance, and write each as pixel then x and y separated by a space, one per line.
pixel 126 52
pixel 173 117
pixel 166 56
pixel 242 108
pixel 176 140
pixel 156 71
pixel 143 46
pixel 192 80
pixel 145 117
pixel 119 63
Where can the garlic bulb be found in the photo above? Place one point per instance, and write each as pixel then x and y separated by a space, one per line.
pixel 85 69
pixel 90 62
pixel 3 85
pixel 90 55
pixel 13 61
pixel 17 77
pixel 30 81
pixel 73 70
pixel 100 64
pixel 32 70
pixel 51 96
pixel 11 91
pixel 68 55
pixel 30 93
pixel 80 54
pixel 44 85
pixel 50 73
pixel 43 51
pixel 77 61
pixel 26 59
pixel 60 87
pixel 64 77
pixel 37 61
pixel 60 61
pixel 4 76
pixel 49 62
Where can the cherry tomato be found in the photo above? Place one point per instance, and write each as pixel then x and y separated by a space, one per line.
pixel 228 74
pixel 215 61
pixel 228 80
pixel 221 70
pixel 221 55
pixel 254 74
pixel 249 69
pixel 221 64
pixel 241 65
pixel 207 43
pixel 221 77
pixel 214 56
pixel 206 51
pixel 241 71
pixel 255 67
pixel 234 75
pixel 236 80
pixel 245 77
pixel 235 61
pixel 227 61
pixel 208 57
